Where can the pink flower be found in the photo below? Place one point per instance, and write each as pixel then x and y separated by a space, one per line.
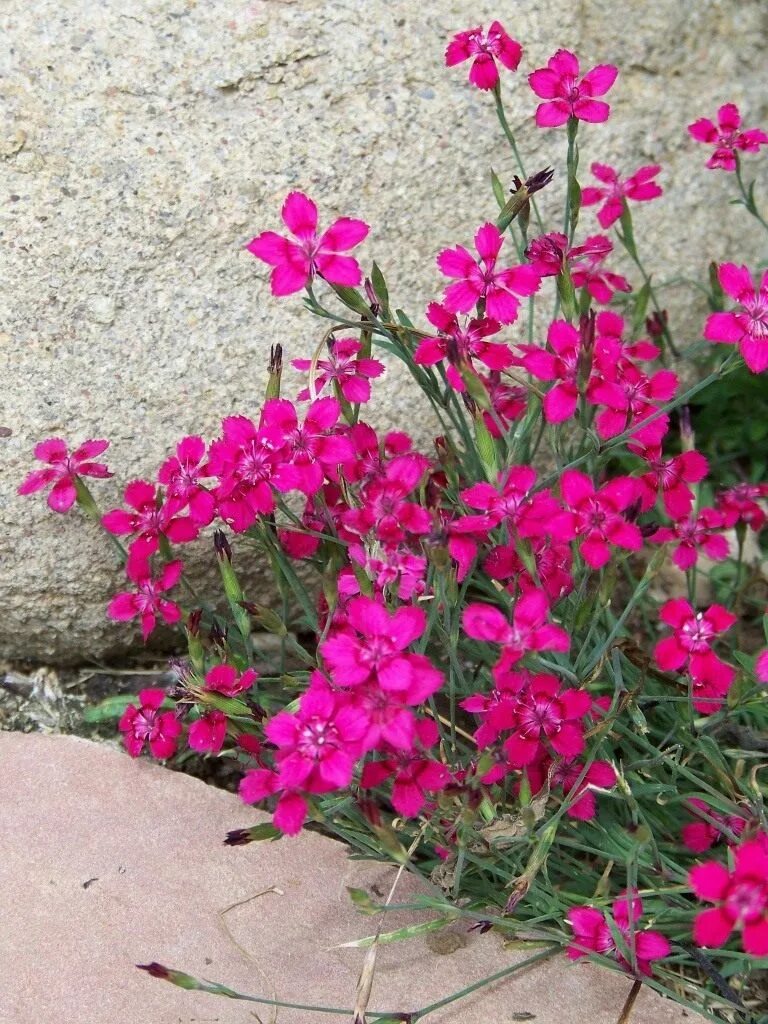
pixel 703 834
pixel 315 448
pixel 595 515
pixel 640 188
pixel 589 272
pixel 460 344
pixel 374 648
pixel 739 504
pixel 296 263
pixel 547 714
pixel 528 631
pixel 599 776
pixel 227 680
pixel 562 365
pixel 741 899
pixel 761 667
pixel 694 535
pixel 246 459
pixel 727 137
pixel 746 327
pixel 629 397
pixel 510 501
pixel 146 602
pixel 479 279
pixel 151 518
pixel 484 48
pixel 385 507
pixel 344 368
pixel 568 96
pixel 206 735
pixel 414 773
pixel 671 477
pixel 147 724
pixel 181 475
pixel 592 934
pixel 63 470
pixel 691 642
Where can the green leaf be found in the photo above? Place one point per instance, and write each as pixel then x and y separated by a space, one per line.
pixel 363 901
pixel 640 309
pixel 409 932
pixel 110 708
pixel 352 299
pixel 380 286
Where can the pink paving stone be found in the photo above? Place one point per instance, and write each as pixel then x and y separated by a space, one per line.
pixel 107 862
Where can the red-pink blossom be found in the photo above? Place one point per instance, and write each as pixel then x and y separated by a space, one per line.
pixel 316 449
pixel 182 474
pixel 415 774
pixel 147 724
pixel 345 368
pixel 151 517
pixel 740 897
pixel 562 364
pixel 227 680
pixel 600 775
pixel 459 345
pixel 727 137
pixel 245 460
pixel 146 601
pixel 385 508
pixel 510 501
pixel 567 94
pixel 595 515
pixel 695 535
pixel 63 470
pixel 739 504
pixel 547 714
pixel 629 398
pixel 671 477
pixel 711 828
pixel 747 326
pixel 484 49
pixel 590 273
pixel 207 734
pixel 528 630
pixel 592 934
pixel 373 646
pixel 296 263
pixel 690 645
pixel 640 187
pixel 481 280
pixel 761 667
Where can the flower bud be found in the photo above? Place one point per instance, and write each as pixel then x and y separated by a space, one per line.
pixel 221 544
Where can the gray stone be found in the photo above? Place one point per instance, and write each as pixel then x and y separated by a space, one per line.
pixel 107 862
pixel 144 145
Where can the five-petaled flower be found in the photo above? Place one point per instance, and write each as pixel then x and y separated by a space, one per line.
pixel 727 137
pixel 344 367
pixel 747 326
pixel 592 934
pixel 741 898
pixel 567 95
pixel 484 49
pixel 296 263
pixel 147 724
pixel 690 645
pixel 640 187
pixel 146 601
pixel 63 470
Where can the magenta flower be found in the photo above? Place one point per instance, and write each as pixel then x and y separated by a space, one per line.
pixel 640 188
pixel 150 519
pixel 296 263
pixel 590 273
pixel 701 835
pixel 695 535
pixel 746 327
pixel 385 508
pixel 147 724
pixel 569 96
pixel 671 477
pixel 545 714
pixel 629 397
pixel 739 504
pixel 727 137
pixel 316 449
pixel 599 776
pixel 509 502
pixel 484 49
pixel 528 631
pixel 562 364
pixel 345 368
pixel 373 647
pixel 596 516
pixel 761 667
pixel 63 470
pixel 592 934
pixel 741 899
pixel 181 474
pixel 480 280
pixel 459 345
pixel 414 773
pixel 245 460
pixel 693 635
pixel 207 734
pixel 147 602
pixel 227 680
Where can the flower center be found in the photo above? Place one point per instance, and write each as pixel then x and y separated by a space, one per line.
pixel 747 901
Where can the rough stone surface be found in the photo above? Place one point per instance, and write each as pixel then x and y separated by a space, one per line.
pixel 144 144
pixel 107 862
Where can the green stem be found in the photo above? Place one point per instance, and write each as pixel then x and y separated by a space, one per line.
pixel 572 195
pixel 747 195
pixel 515 151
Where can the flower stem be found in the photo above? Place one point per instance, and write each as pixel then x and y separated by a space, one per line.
pixel 515 151
pixel 748 195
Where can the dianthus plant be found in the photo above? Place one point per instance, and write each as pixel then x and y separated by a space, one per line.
pixel 525 659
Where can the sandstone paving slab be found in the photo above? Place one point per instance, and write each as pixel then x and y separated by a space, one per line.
pixel 144 144
pixel 107 862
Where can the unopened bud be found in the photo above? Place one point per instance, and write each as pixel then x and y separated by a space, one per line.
pixel 221 544
pixel 656 324
pixel 193 621
pixel 275 371
pixel 370 294
pixel 687 437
